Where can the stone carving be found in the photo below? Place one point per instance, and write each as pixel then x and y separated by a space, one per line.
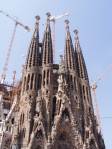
pixel 49 119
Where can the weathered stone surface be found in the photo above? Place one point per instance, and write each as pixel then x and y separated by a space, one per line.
pixel 55 114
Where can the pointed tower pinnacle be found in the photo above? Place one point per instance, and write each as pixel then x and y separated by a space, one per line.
pixel 32 61
pixel 36 32
pixel 80 62
pixel 47 43
pixel 77 43
pixel 69 49
pixel 33 53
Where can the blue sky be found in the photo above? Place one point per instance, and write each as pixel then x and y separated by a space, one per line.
pixel 91 17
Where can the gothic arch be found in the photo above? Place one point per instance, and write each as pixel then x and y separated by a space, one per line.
pixel 65 115
pixel 64 137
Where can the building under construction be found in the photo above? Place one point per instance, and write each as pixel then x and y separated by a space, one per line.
pixel 51 107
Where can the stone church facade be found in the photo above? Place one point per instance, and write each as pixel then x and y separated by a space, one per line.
pixel 55 109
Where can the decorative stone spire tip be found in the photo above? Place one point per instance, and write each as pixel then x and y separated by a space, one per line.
pixel 37 18
pixel 48 15
pixel 76 32
pixel 61 58
pixel 67 24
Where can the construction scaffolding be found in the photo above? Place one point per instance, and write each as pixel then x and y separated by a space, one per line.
pixel 8 93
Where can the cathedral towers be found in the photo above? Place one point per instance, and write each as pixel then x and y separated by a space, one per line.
pixel 55 107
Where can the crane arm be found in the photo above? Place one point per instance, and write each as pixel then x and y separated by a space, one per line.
pixel 61 16
pixel 15 20
pixel 52 18
pixel 7 15
pixel 5 68
pixel 25 27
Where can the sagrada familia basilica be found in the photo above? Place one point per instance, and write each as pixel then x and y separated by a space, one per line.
pixel 54 105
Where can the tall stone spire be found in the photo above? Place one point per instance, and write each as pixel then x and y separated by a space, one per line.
pixel 69 49
pixel 30 87
pixel 32 61
pixel 47 72
pixel 80 63
pixel 55 106
pixel 33 53
pixel 69 59
pixel 47 44
pixel 47 61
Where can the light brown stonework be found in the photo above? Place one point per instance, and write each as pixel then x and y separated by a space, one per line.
pixel 55 107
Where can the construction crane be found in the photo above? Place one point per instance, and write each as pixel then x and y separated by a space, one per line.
pixel 53 19
pixel 5 68
pixel 6 134
pixel 97 113
pixel 17 23
pixel 93 88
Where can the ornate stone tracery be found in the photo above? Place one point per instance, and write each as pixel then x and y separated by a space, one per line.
pixel 58 114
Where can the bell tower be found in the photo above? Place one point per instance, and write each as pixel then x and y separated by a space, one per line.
pixel 55 109
pixel 29 91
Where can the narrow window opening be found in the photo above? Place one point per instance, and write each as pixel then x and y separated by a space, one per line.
pixel 40 56
pixel 53 107
pixel 24 84
pixel 39 81
pixel 24 131
pixel 32 78
pixel 44 78
pixel 71 81
pixel 12 121
pixel 28 80
pixel 75 84
pixel 47 76
pixel 83 88
pixel 65 115
pixel 23 118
